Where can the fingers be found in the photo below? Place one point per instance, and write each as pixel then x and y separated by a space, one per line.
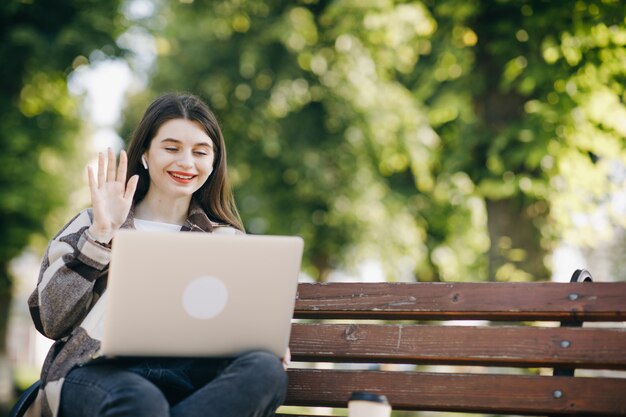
pixel 101 178
pixel 131 187
pixel 92 181
pixel 108 173
pixel 121 169
pixel 286 360
pixel 111 166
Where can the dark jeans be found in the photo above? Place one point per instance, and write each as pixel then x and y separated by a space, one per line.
pixel 253 384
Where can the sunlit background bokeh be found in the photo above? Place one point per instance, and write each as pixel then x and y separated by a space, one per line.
pixel 446 140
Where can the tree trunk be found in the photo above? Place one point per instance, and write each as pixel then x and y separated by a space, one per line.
pixel 515 253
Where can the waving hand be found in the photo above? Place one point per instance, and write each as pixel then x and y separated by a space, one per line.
pixel 111 196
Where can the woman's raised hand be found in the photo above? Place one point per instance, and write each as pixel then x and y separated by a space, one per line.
pixel 111 196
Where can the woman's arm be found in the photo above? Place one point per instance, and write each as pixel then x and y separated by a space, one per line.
pixel 78 256
pixel 71 266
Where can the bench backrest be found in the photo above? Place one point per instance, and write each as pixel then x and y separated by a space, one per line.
pixel 390 323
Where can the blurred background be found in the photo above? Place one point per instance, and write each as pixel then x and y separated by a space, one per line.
pixel 433 140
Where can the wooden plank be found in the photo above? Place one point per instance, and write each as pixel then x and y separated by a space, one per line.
pixel 598 301
pixel 301 415
pixel 590 348
pixel 529 395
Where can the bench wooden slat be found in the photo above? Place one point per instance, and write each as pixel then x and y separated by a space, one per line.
pixel 280 413
pixel 532 395
pixel 460 345
pixel 463 301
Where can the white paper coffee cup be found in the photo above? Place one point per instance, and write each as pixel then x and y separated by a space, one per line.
pixel 367 404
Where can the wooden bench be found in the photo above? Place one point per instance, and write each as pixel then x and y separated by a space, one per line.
pixel 498 366
pixel 529 327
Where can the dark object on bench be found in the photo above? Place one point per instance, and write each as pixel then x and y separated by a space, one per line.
pixel 515 336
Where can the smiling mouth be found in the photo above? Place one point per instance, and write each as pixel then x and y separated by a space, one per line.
pixel 181 177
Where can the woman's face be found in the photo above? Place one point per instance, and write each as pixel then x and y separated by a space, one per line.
pixel 180 158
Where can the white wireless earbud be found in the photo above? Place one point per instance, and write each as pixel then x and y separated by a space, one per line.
pixel 144 162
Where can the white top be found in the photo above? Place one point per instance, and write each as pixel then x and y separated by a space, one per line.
pixel 150 226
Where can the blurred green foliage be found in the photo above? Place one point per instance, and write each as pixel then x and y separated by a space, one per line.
pixel 41 43
pixel 424 134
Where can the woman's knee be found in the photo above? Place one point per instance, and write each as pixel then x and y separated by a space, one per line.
pixel 266 368
pixel 263 362
pixel 141 398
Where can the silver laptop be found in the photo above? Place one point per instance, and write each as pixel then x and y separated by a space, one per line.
pixel 200 294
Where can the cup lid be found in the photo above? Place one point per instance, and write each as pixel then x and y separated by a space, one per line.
pixel 368 396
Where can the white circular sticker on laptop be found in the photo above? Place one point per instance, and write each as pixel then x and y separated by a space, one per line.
pixel 205 298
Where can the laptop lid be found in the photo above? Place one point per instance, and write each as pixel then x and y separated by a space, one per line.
pixel 199 294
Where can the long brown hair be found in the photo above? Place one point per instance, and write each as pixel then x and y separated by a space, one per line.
pixel 215 195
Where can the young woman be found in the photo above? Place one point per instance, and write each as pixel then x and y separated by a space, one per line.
pixel 173 178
